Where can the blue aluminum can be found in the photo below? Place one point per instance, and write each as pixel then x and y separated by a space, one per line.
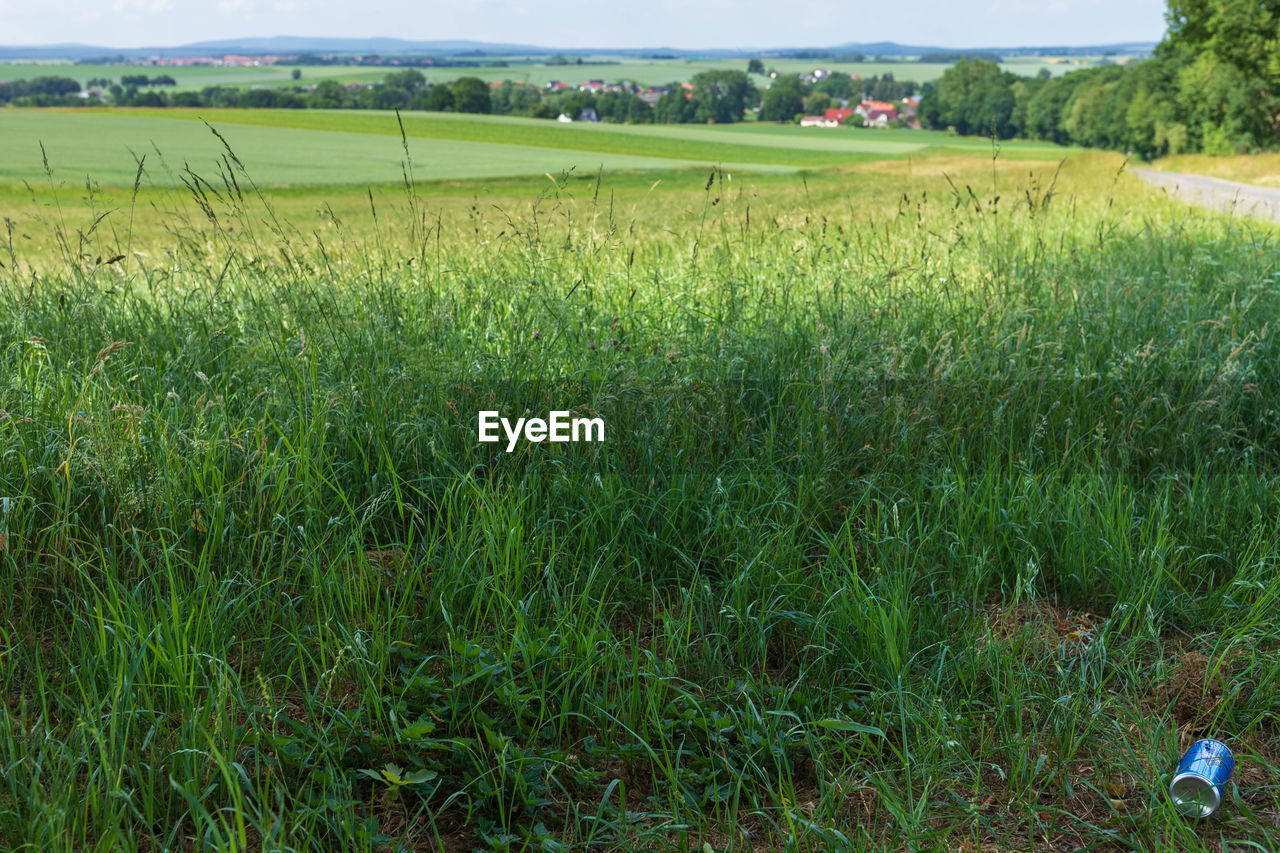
pixel 1201 778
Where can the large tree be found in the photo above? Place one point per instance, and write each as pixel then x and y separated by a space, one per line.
pixel 1242 33
pixel 673 107
pixel 328 94
pixel 471 95
pixel 784 100
pixel 722 96
pixel 409 81
pixel 973 96
pixel 1241 38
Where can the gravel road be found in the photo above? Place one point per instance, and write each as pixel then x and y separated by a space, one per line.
pixel 1244 199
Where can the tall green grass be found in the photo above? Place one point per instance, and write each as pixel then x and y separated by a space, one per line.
pixel 934 515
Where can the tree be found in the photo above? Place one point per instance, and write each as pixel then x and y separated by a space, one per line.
pixel 974 96
pixel 613 106
pixel 1242 38
pixel 572 103
pixel 639 112
pixel 886 88
pixel 390 98
pixel 296 74
pixel 783 99
pixel 328 95
pixel 543 109
pixel 259 98
pixel 510 97
pixel 408 81
pixel 1244 34
pixel 722 96
pixel 1045 109
pixel 220 96
pixel 817 103
pixel 471 95
pixel 673 107
pixel 837 85
pixel 439 98
pixel 755 66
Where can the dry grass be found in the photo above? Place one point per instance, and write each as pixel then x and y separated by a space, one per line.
pixel 1260 169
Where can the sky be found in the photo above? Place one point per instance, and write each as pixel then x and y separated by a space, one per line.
pixel 689 24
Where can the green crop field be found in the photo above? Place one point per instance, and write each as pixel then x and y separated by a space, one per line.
pixel 312 147
pixel 936 507
pixel 104 147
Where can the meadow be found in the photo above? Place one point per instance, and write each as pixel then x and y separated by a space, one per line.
pixel 937 508
pixel 520 69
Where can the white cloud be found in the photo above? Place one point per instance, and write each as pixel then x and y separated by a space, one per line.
pixel 234 7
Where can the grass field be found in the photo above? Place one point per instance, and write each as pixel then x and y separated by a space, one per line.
pixel 647 72
pixel 313 147
pixel 937 507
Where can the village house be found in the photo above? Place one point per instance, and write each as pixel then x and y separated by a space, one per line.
pixel 834 117
pixel 910 108
pixel 877 113
pixel 651 95
pixel 587 114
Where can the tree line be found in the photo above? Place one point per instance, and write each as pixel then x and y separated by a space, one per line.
pixel 721 96
pixel 1212 86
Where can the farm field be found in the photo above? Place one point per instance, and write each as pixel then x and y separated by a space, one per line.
pixel 276 153
pixel 937 506
pixel 315 147
pixel 538 73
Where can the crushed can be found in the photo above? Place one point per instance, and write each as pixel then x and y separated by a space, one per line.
pixel 1200 781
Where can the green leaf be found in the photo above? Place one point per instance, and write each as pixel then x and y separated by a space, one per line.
pixel 418 730
pixel 850 726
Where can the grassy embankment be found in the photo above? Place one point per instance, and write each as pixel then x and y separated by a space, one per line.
pixel 924 519
pixel 1260 169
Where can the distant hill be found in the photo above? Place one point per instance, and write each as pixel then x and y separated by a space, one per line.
pixel 890 48
pixel 303 44
pixel 455 47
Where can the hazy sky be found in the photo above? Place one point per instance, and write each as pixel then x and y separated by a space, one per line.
pixel 591 23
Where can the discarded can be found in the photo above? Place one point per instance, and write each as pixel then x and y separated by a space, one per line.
pixel 1201 778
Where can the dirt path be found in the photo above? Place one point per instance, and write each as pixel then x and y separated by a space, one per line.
pixel 1243 199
